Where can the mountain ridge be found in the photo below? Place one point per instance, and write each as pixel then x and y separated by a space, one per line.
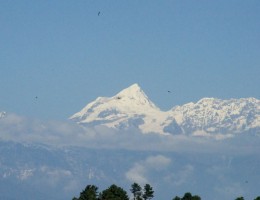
pixel 132 108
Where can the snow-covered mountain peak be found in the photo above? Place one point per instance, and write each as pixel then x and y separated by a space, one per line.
pixel 131 90
pixel 132 108
pixel 135 95
pixel 212 115
pixel 207 100
pixel 129 100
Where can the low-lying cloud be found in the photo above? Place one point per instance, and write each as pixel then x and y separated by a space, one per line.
pixel 66 133
pixel 196 163
pixel 140 170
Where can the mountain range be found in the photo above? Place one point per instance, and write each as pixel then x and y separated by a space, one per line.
pixel 56 160
pixel 131 108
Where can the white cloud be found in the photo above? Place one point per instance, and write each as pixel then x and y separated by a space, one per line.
pixel 63 133
pixel 158 162
pixel 25 174
pixel 217 136
pixel 139 173
pixel 55 175
pixel 183 175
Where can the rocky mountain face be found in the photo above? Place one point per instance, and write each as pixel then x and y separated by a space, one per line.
pixel 131 108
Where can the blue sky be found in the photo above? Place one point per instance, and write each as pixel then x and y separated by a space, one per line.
pixel 66 55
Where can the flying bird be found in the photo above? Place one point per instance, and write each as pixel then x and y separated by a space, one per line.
pixel 98 13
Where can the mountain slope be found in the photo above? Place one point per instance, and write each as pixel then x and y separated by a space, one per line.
pixel 211 115
pixel 132 108
pixel 40 173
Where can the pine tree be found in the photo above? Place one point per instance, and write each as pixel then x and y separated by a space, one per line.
pixel 114 193
pixel 187 196
pixel 137 191
pixel 148 192
pixel 90 193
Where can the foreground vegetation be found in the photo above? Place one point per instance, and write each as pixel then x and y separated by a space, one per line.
pixel 115 192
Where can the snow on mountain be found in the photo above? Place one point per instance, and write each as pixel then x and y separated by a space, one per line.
pixel 129 108
pixel 40 173
pixel 211 115
pixel 132 108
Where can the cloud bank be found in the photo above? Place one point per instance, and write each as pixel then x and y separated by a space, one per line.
pixel 66 133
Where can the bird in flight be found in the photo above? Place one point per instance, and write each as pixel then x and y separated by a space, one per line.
pixel 98 13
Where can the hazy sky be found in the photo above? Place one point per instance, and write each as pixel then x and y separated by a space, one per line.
pixel 66 55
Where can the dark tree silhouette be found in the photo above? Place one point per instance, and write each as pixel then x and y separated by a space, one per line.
pixel 239 198
pixel 114 193
pixel 90 193
pixel 187 196
pixel 196 197
pixel 136 191
pixel 148 192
